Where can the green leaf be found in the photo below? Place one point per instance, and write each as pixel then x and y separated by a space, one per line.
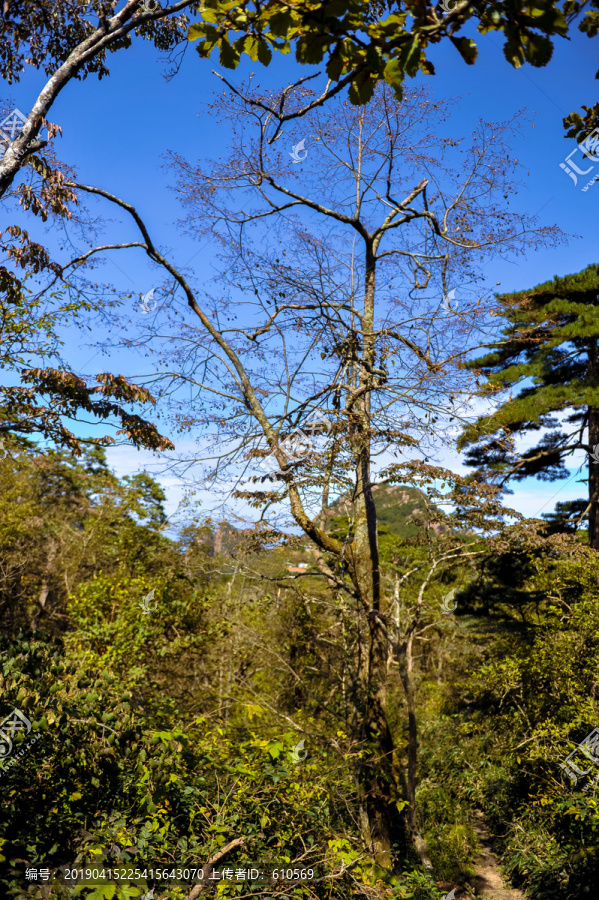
pixel 409 56
pixel 513 52
pixel 538 49
pixel 103 892
pixel 335 65
pixel 335 8
pixel 394 74
pixel 466 48
pixel 228 55
pixel 276 749
pixel 374 58
pixel 195 31
pixel 209 15
pixel 361 89
pixel 555 22
pixel 310 48
pixel 128 891
pixel 394 22
pixel 280 23
pixel 250 46
pixel 264 52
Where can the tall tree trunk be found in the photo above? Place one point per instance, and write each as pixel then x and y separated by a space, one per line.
pixel 593 480
pixel 593 442
pixel 47 577
pixel 376 777
pixel 404 659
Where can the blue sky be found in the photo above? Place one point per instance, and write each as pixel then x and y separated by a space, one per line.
pixel 117 131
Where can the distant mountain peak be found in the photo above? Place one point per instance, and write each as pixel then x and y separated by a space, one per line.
pixel 399 508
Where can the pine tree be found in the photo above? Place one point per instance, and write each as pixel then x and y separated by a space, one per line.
pixel 547 363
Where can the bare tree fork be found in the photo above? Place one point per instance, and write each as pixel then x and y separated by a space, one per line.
pixel 100 39
pixel 279 114
pixel 210 865
pixel 320 537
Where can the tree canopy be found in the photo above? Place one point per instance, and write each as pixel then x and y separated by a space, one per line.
pixel 363 43
pixel 361 674
pixel 546 362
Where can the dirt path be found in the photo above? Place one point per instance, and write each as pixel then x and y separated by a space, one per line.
pixel 488 883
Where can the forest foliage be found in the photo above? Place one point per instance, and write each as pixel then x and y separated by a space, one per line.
pixel 385 654
pixel 165 736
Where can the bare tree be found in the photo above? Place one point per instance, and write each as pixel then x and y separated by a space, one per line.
pixel 332 341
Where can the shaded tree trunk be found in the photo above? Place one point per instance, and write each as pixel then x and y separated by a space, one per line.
pixel 376 778
pixel 593 480
pixel 593 420
pixel 45 587
pixel 407 680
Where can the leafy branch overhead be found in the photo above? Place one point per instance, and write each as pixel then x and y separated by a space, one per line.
pixel 363 43
pixel 69 41
pixel 66 395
